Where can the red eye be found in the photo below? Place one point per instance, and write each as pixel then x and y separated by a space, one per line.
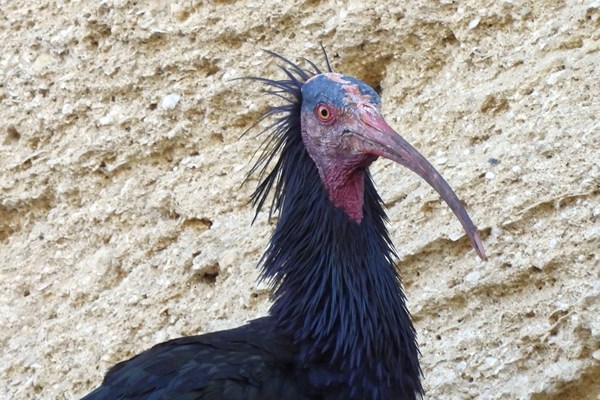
pixel 324 112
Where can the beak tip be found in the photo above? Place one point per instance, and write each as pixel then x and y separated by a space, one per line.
pixel 479 247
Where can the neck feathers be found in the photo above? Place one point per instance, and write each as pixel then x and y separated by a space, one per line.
pixel 338 294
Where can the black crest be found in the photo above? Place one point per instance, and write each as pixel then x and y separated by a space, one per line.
pixel 279 149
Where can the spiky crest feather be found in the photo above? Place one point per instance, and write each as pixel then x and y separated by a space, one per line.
pixel 337 292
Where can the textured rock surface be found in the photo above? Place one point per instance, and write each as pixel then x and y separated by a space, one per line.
pixel 123 223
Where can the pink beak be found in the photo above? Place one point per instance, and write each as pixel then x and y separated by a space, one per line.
pixel 378 138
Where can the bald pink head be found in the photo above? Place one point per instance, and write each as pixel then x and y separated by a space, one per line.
pixel 344 132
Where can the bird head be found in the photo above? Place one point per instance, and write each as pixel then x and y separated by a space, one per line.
pixel 344 132
pixel 333 127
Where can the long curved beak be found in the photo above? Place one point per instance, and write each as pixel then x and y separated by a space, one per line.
pixel 376 137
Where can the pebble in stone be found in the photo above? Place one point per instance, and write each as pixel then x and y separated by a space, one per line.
pixel 170 101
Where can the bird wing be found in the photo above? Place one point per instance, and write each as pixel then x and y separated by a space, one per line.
pixel 246 363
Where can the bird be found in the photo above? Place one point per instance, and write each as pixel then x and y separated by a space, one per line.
pixel 338 326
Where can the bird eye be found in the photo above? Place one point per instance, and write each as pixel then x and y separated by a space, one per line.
pixel 324 113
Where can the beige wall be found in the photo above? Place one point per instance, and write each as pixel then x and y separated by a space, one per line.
pixel 117 210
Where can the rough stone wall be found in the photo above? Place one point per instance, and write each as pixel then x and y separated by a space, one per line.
pixel 123 222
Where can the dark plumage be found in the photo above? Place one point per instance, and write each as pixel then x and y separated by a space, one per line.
pixel 338 327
